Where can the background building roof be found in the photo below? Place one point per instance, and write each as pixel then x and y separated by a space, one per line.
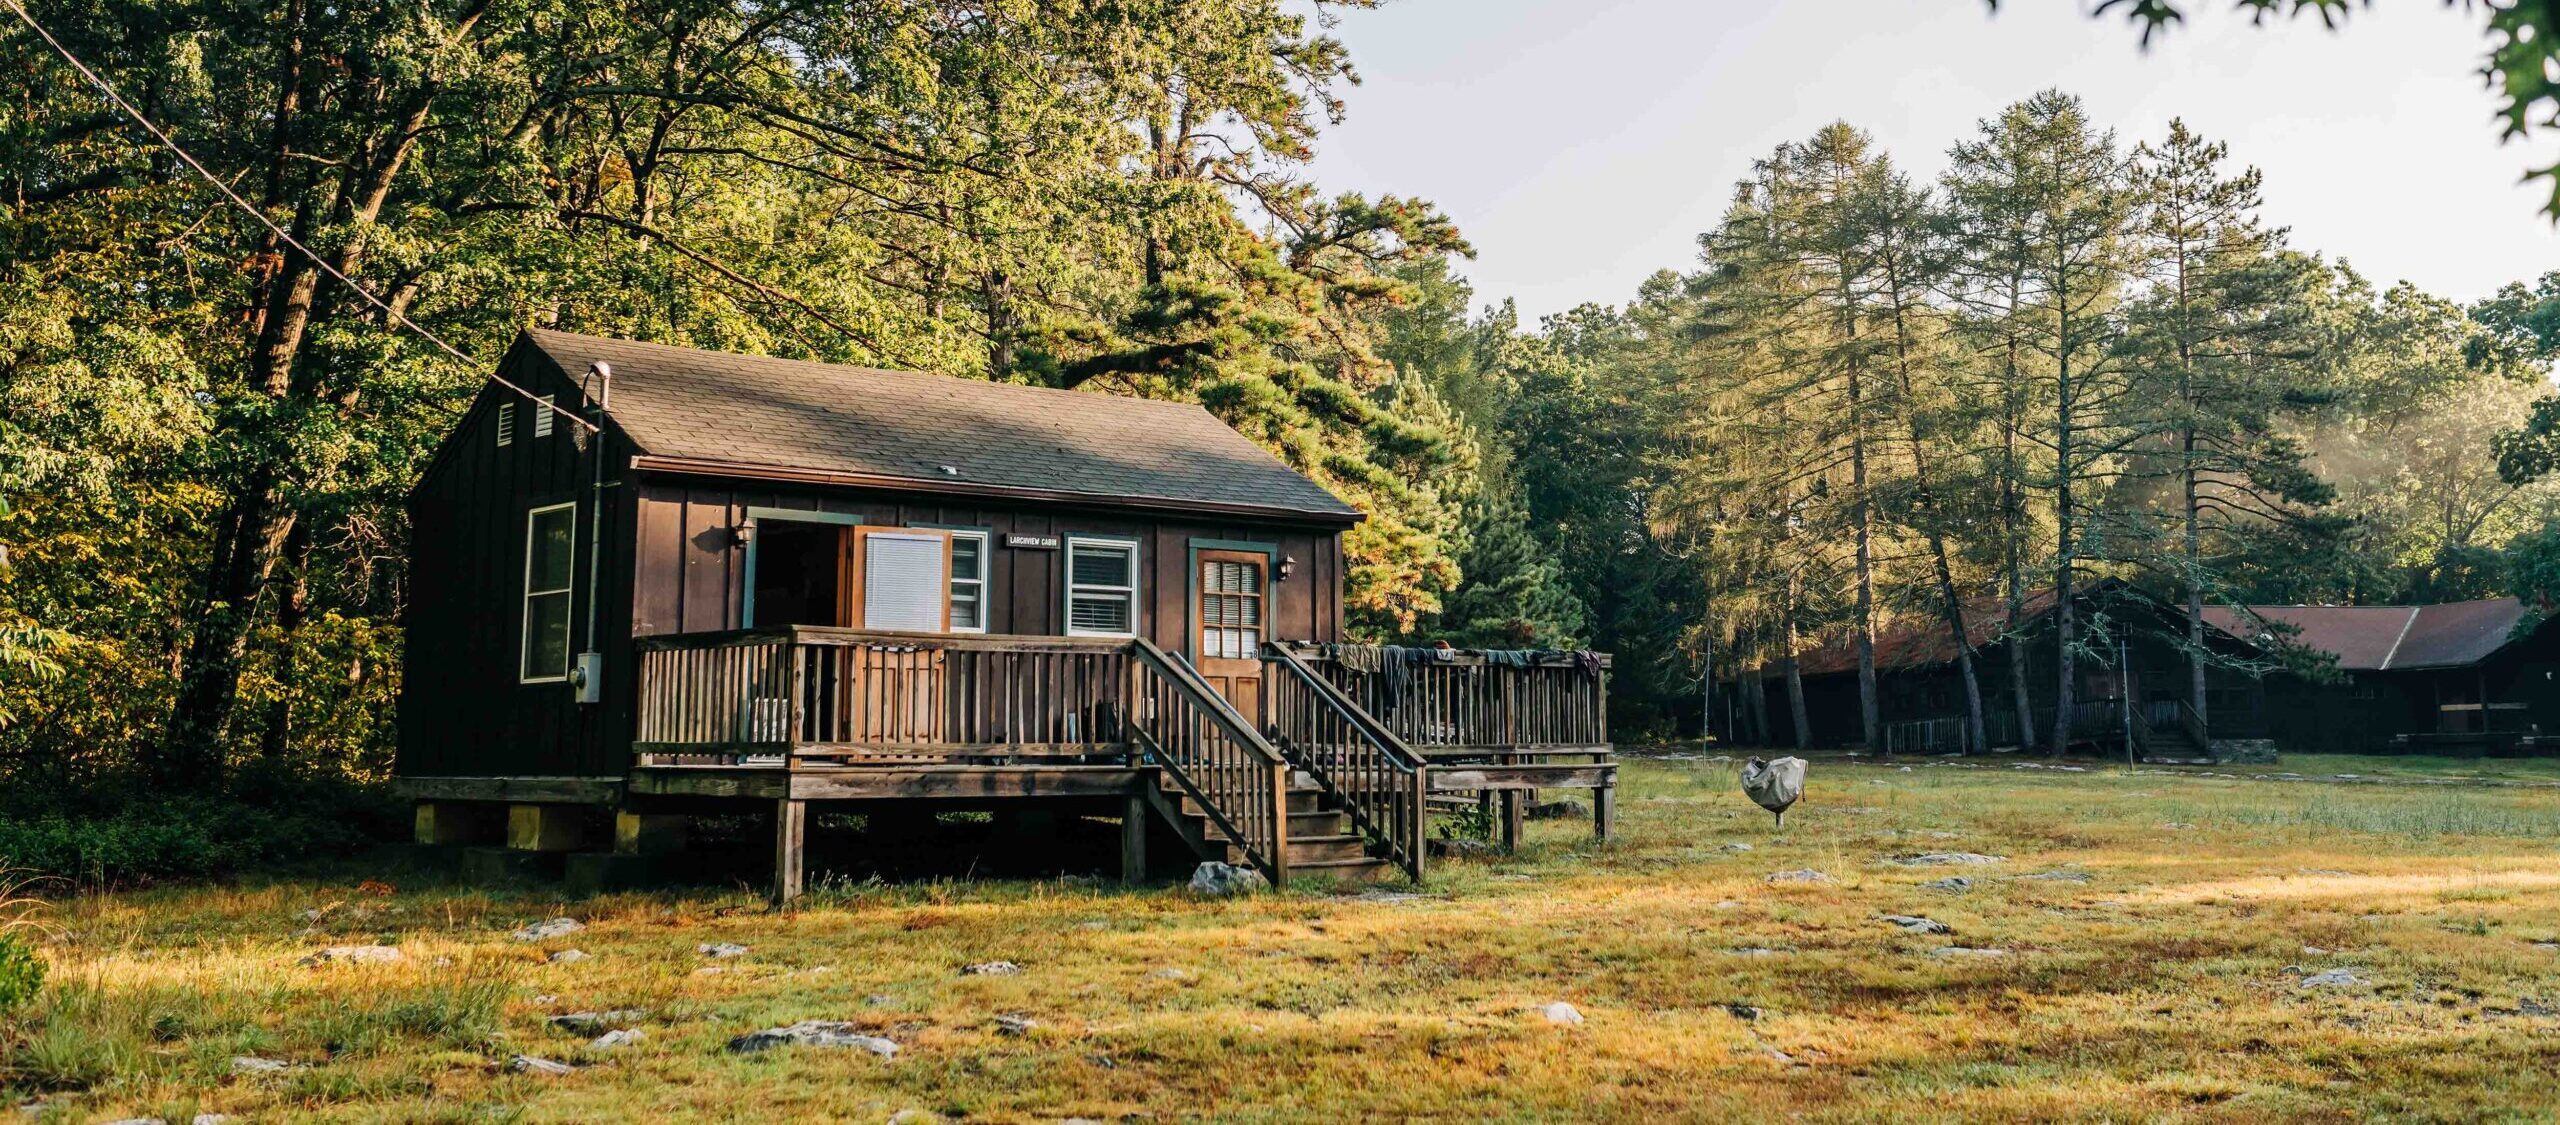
pixel 797 414
pixel 2378 638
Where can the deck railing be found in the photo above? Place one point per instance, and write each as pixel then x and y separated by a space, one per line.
pixel 813 694
pixel 1239 780
pixel 1379 780
pixel 1467 700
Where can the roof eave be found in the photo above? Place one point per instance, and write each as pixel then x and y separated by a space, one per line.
pixel 694 466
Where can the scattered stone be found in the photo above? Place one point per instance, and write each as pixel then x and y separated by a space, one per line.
pixel 2329 873
pixel 1756 951
pixel 1916 924
pixel 590 1023
pixel 1946 859
pixel 210 1119
pixel 721 949
pixel 618 1037
pixel 913 1116
pixel 2548 946
pixel 813 1033
pixel 1743 1011
pixel 1952 884
pixel 1171 974
pixel 528 1064
pixel 1727 904
pixel 1564 808
pixel 1016 1025
pixel 1561 1013
pixel 710 970
pixel 545 930
pixel 252 1064
pixel 1385 897
pixel 1800 875
pixel 2177 826
pixel 1737 847
pixel 2333 978
pixel 990 969
pixel 877 1000
pixel 1463 848
pixel 355 955
pixel 1968 951
pixel 569 957
pixel 546 998
pixel 2314 951
pixel 1220 880
pixel 2054 877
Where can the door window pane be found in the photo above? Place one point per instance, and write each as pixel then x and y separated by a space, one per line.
pixel 1230 609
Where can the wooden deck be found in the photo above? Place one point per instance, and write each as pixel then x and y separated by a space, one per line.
pixel 1331 773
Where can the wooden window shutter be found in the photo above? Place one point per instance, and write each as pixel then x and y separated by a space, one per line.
pixel 903 579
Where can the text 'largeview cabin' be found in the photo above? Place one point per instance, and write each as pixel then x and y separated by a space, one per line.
pixel 664 583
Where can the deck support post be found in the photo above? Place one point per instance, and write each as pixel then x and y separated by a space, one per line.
pixel 1513 811
pixel 790 837
pixel 458 822
pixel 545 828
pixel 647 833
pixel 1133 839
pixel 1604 812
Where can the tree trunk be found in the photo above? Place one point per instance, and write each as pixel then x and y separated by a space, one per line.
pixel 2065 549
pixel 292 606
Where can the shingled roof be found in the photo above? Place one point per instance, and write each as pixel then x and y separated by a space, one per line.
pixel 2387 638
pixel 958 434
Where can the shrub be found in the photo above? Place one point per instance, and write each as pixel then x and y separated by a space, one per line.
pixel 192 838
pixel 21 972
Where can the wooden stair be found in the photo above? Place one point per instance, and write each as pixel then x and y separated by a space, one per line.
pixel 1321 843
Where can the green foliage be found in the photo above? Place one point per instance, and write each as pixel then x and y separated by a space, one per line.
pixel 194 837
pixel 21 971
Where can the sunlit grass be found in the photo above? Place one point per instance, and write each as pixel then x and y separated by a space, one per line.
pixel 2153 970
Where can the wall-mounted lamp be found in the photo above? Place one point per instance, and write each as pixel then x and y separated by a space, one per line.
pixel 1288 566
pixel 743 534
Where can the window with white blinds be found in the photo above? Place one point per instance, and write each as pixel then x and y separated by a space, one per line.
pixel 904 586
pixel 1230 609
pixel 1102 588
pixel 968 582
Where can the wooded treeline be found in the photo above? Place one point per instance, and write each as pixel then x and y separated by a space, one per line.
pixel 2070 357
pixel 1874 398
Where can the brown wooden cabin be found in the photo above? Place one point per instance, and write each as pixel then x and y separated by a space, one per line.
pixel 2459 677
pixel 2137 689
pixel 760 583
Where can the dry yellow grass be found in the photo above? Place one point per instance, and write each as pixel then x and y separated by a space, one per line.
pixel 2167 984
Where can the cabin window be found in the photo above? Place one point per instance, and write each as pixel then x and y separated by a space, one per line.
pixel 550 544
pixel 906 584
pixel 1102 588
pixel 506 423
pixel 542 418
pixel 968 581
pixel 1230 609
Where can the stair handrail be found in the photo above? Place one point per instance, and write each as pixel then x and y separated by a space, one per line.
pixel 1242 787
pixel 1389 810
pixel 2193 726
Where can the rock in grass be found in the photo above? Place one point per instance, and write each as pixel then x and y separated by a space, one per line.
pixel 1220 880
pixel 551 928
pixel 1737 847
pixel 1756 951
pixel 2332 978
pixel 619 1037
pixel 252 1064
pixel 1947 859
pixel 1561 1013
pixel 569 957
pixel 1744 1012
pixel 914 1116
pixel 1800 875
pixel 355 955
pixel 990 969
pixel 1916 924
pixel 2054 877
pixel 1565 808
pixel 721 949
pixel 528 1064
pixel 1016 1025
pixel 210 1119
pixel 1968 951
pixel 813 1033
pixel 1461 847
pixel 590 1023
pixel 1952 884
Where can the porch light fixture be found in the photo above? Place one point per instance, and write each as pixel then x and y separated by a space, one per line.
pixel 1288 566
pixel 742 534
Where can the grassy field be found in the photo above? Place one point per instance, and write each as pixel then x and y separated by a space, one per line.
pixel 2156 933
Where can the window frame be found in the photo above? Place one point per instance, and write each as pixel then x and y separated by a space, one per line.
pixel 526 593
pixel 543 423
pixel 985 539
pixel 1070 587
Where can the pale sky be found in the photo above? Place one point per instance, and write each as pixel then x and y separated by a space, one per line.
pixel 1583 144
